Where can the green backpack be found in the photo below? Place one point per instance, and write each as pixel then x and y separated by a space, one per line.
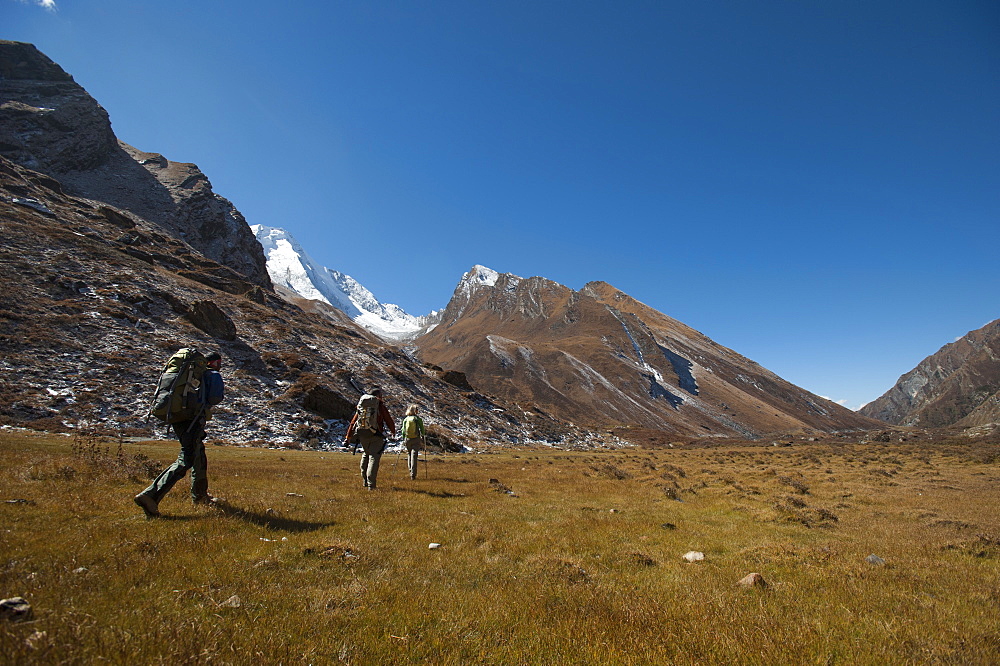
pixel 177 398
pixel 411 427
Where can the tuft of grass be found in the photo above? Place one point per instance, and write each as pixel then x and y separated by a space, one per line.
pixel 582 564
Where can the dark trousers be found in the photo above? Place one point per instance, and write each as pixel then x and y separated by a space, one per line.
pixel 192 457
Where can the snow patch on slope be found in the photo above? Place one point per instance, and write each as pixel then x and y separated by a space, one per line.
pixel 498 347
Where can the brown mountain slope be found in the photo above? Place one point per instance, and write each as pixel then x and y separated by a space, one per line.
pixel 599 357
pixel 958 385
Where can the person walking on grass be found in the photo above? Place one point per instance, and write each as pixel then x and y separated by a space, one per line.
pixel 191 434
pixel 413 438
pixel 367 428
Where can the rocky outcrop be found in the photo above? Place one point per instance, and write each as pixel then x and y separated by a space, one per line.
pixel 208 317
pixel 958 385
pixel 600 358
pixel 50 124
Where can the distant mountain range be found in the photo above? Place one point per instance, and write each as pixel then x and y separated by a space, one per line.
pixel 595 357
pixel 114 257
pixel 959 385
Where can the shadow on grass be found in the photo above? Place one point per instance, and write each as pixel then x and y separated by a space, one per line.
pixel 271 522
pixel 181 519
pixel 439 493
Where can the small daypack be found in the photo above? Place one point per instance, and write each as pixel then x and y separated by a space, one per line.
pixel 177 395
pixel 367 414
pixel 411 427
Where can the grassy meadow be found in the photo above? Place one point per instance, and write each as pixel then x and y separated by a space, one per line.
pixel 545 557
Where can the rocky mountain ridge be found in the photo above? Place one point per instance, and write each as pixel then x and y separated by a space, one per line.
pixel 957 385
pixel 50 124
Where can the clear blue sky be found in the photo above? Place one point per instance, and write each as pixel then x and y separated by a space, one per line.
pixel 815 184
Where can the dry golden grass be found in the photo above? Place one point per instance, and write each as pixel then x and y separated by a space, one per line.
pixel 546 557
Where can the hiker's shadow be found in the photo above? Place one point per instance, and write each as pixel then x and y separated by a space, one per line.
pixel 179 518
pixel 419 491
pixel 270 521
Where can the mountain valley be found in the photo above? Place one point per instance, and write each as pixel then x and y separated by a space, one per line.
pixel 114 257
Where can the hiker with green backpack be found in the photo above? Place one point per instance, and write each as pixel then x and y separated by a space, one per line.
pixel 190 385
pixel 413 438
pixel 367 428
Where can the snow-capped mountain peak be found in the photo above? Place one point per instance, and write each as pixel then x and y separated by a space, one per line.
pixel 290 266
pixel 483 275
pixel 478 276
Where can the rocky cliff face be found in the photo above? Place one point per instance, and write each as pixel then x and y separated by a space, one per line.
pixel 50 124
pixel 959 385
pixel 601 358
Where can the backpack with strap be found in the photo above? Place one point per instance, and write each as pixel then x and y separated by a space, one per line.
pixel 177 396
pixel 411 427
pixel 367 414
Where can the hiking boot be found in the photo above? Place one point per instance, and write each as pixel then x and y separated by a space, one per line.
pixel 147 504
pixel 208 500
